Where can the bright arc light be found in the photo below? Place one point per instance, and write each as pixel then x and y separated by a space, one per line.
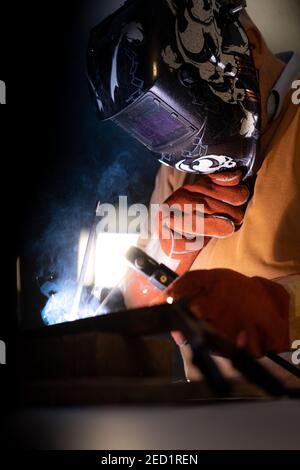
pixel 107 265
pixel 110 262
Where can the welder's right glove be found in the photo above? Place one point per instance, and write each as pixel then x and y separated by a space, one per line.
pixel 252 312
pixel 223 199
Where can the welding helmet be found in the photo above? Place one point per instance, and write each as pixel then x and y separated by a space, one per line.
pixel 179 76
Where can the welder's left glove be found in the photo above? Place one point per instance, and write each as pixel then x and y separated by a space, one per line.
pixel 252 312
pixel 212 207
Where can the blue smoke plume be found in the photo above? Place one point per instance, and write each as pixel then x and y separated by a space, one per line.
pixel 90 161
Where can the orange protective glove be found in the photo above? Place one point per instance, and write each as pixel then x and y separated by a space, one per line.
pixel 251 312
pixel 224 203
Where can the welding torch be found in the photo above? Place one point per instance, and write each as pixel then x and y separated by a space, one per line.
pixel 202 337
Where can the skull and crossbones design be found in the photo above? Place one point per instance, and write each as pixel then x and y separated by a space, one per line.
pixel 199 42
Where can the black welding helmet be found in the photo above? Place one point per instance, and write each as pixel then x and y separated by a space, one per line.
pixel 178 75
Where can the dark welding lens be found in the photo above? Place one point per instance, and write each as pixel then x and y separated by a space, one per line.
pixel 154 123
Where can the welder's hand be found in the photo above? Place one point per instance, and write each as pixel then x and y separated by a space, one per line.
pixel 137 289
pixel 223 200
pixel 252 312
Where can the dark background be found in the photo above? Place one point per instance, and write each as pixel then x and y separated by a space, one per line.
pixel 7 311
pixel 61 158
pixel 57 158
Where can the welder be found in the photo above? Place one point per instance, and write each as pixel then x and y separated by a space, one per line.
pixel 195 81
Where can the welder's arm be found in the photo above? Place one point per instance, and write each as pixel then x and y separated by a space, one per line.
pixel 137 289
pixel 217 201
pixel 255 313
pixel 212 207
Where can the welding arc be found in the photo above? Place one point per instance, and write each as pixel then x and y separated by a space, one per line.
pixel 83 271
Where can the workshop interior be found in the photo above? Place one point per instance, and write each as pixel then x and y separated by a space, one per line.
pixel 106 353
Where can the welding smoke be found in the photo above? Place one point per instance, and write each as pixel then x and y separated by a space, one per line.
pixel 56 249
pixel 83 162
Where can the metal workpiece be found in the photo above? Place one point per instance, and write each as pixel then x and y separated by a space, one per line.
pixel 160 320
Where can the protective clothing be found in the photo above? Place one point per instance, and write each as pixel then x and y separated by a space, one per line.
pixel 252 312
pixel 267 244
pixel 213 207
pixel 179 76
pixel 223 199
